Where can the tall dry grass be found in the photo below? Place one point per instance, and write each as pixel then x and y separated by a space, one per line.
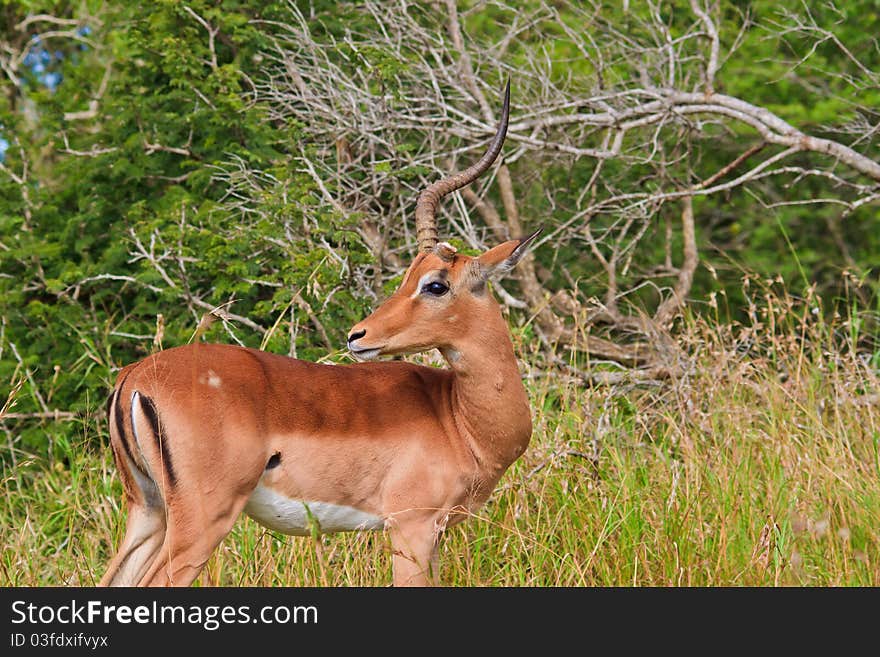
pixel 758 466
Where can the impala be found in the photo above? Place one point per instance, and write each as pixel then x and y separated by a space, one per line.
pixel 204 432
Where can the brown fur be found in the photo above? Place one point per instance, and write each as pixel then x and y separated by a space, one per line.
pixel 420 447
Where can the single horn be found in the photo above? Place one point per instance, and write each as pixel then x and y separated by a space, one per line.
pixel 429 199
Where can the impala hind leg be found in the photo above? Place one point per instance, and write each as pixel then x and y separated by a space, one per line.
pixel 144 533
pixel 192 534
pixel 145 525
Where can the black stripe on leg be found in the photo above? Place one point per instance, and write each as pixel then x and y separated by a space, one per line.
pixel 156 425
pixel 119 417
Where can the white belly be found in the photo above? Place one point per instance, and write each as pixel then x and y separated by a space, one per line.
pixel 288 516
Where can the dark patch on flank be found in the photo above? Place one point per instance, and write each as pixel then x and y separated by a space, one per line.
pixel 156 425
pixel 274 461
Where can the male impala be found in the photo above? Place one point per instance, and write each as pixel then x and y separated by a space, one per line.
pixel 203 432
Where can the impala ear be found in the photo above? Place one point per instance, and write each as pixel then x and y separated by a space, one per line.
pixel 496 262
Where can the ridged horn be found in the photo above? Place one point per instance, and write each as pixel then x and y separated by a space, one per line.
pixel 429 199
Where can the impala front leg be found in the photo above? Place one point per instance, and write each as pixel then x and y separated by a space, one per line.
pixel 415 544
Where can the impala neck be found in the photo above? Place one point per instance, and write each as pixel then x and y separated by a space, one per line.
pixel 489 401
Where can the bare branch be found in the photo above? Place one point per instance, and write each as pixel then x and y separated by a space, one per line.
pixel 212 34
pixel 650 104
pixel 712 32
pixel 92 111
pixel 718 175
pixel 48 18
pixel 94 151
pixel 673 305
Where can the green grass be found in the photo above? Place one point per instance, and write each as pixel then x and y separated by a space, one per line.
pixel 756 469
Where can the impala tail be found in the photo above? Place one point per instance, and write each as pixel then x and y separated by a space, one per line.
pixel 143 459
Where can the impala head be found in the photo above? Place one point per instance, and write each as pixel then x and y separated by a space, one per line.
pixel 444 295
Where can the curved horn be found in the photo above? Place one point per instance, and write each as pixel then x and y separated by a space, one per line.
pixel 429 199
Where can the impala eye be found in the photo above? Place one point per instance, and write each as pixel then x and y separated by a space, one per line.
pixel 435 288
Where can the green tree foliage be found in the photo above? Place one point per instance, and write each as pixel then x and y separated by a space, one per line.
pixel 153 182
pixel 143 169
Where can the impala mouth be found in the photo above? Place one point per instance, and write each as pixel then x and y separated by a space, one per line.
pixel 364 354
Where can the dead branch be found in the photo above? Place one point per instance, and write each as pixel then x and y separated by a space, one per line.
pixel 653 102
pixel 673 305
pixel 55 415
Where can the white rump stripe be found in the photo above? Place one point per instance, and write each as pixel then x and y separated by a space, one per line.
pixel 288 516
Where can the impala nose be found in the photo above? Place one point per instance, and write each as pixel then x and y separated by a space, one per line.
pixel 356 335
